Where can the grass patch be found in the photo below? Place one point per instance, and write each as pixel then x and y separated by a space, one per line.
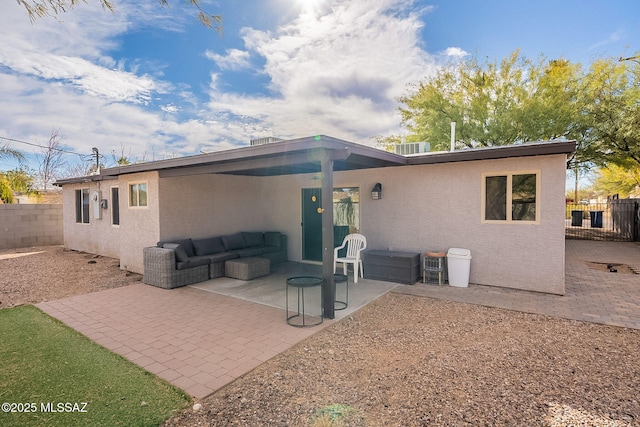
pixel 45 365
pixel 336 415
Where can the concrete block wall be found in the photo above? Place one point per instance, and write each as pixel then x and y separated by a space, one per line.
pixel 30 225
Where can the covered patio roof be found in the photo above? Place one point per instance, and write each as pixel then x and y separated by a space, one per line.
pixel 304 155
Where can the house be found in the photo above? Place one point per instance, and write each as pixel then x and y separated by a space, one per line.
pixel 505 204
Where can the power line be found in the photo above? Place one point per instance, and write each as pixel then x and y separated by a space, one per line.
pixel 41 146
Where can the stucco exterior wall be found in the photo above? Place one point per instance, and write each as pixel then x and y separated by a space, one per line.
pixel 124 241
pixel 139 226
pixel 212 205
pixel 422 208
pixel 99 236
pixel 30 225
pixel 439 207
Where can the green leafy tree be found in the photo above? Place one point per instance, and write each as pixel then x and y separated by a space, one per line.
pixel 51 8
pixel 14 181
pixel 6 152
pixel 6 188
pixel 623 180
pixel 612 110
pixel 514 101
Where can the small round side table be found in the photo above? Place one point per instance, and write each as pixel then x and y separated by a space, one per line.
pixel 341 278
pixel 300 283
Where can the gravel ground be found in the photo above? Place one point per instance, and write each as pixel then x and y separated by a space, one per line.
pixel 407 361
pixel 400 361
pixel 36 274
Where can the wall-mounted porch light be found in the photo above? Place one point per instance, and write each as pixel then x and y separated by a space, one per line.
pixel 376 192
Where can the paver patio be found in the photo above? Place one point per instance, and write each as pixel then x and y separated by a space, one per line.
pixel 201 340
pixel 591 295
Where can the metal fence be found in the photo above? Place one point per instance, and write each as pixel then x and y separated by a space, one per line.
pixel 616 220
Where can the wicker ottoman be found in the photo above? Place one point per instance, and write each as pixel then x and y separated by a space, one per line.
pixel 247 268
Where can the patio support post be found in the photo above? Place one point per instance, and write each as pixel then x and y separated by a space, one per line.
pixel 329 285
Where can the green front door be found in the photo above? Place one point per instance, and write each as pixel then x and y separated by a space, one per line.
pixel 311 224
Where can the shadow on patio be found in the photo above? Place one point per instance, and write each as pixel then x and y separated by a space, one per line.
pixel 201 337
pixel 270 290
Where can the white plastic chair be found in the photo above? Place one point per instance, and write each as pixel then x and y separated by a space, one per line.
pixel 355 244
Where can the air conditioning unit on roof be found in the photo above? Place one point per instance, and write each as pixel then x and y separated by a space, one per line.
pixel 413 148
pixel 265 140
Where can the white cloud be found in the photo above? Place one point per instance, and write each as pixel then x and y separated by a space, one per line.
pixel 337 70
pixel 611 39
pixel 234 59
pixel 337 73
pixel 455 52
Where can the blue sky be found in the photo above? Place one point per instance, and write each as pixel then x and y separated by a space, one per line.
pixel 155 81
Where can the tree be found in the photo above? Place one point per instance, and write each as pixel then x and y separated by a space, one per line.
pixel 6 152
pixel 51 8
pixel 618 179
pixel 494 104
pixel 612 110
pixel 6 188
pixel 50 161
pixel 16 181
pixel 121 159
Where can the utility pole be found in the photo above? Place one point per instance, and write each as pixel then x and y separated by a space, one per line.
pixel 97 154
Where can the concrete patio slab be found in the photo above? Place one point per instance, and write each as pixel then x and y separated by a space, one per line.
pixel 270 290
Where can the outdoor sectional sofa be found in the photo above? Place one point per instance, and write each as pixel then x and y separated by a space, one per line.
pixel 180 262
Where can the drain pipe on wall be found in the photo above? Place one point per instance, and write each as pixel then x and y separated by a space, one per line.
pixel 453 136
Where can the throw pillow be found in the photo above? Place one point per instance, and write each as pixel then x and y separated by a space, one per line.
pixel 181 254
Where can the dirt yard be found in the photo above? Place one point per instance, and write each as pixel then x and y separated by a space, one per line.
pixel 36 274
pixel 400 361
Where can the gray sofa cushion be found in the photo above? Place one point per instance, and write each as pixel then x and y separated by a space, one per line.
pixel 222 256
pixel 187 244
pixel 233 241
pixel 252 239
pixel 181 254
pixel 192 262
pixel 273 238
pixel 270 249
pixel 208 246
pixel 247 252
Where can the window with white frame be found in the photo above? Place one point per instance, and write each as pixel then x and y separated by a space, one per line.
pixel 82 206
pixel 511 197
pixel 138 194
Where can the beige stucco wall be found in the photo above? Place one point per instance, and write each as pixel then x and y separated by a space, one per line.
pixel 439 207
pixel 138 226
pixel 423 207
pixel 97 237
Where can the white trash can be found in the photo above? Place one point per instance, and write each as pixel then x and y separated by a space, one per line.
pixel 458 266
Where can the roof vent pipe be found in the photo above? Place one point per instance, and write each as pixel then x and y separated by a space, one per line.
pixel 453 136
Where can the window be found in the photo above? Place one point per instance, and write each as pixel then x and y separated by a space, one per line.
pixel 82 206
pixel 138 194
pixel 346 209
pixel 511 197
pixel 115 206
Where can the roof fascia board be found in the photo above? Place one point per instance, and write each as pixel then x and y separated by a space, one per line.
pixel 88 178
pixel 501 152
pixel 272 149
